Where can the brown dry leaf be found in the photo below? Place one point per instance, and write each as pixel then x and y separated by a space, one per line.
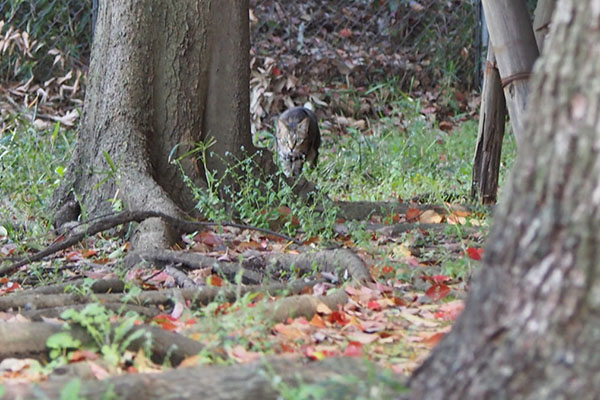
pixel 430 217
pixel 323 309
pixel 361 337
pixel 289 331
pixel 412 214
pixel 418 321
pixel 456 220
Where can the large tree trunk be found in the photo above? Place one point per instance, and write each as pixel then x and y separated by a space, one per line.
pixel 162 74
pixel 530 325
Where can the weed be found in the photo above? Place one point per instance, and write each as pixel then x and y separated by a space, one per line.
pixel 246 193
pixel 110 339
pixel 32 162
pixel 406 159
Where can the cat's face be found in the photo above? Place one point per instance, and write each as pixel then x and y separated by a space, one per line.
pixel 293 145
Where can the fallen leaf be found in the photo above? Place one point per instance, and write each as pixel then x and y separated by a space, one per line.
pixel 412 214
pixel 430 217
pixel 438 291
pixel 353 349
pixel 475 253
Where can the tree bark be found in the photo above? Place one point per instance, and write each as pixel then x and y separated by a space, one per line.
pixel 516 50
pixel 163 76
pixel 488 150
pixel 541 21
pixel 530 326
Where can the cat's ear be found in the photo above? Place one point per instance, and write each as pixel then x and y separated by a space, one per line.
pixel 303 127
pixel 282 129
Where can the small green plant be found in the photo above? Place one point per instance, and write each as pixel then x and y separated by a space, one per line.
pixel 32 163
pixel 245 193
pixel 111 340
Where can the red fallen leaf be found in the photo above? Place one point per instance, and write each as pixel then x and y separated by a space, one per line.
pixel 354 349
pixel 165 321
pixel 374 305
pixel 412 214
pixel 438 291
pixel 433 339
pixel 276 71
pixel 345 33
pixel 398 301
pixel 214 280
pixel 4 280
pixel 387 269
pixel 208 238
pixel 396 218
pixel 475 253
pixel 222 309
pixel 89 253
pixel 339 317
pixel 10 287
pixel 286 348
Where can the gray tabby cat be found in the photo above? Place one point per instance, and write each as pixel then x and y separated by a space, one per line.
pixel 298 140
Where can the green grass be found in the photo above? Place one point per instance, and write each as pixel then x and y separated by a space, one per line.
pixel 402 156
pixel 32 162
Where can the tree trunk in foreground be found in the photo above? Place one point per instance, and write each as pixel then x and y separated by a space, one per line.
pixel 516 50
pixel 163 75
pixel 531 324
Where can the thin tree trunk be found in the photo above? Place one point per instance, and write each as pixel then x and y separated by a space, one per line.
pixel 530 325
pixel 516 50
pixel 488 150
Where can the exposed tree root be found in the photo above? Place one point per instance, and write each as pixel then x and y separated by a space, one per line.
pixel 199 296
pixel 119 308
pixel 261 267
pixel 246 381
pixel 111 221
pixel 301 306
pixel 98 286
pixel 28 340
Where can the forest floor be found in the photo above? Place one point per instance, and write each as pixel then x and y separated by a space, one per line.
pixel 410 150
